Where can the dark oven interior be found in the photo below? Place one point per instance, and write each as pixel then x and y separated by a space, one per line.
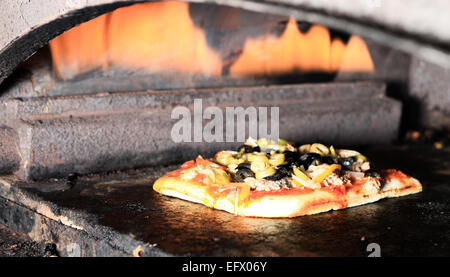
pixel 87 100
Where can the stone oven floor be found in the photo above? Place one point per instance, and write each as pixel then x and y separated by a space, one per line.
pixel 118 214
pixel 14 244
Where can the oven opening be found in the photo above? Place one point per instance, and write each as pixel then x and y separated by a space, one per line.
pixel 102 100
pixel 176 45
pixel 175 37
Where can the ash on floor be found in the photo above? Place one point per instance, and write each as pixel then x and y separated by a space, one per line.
pixel 13 244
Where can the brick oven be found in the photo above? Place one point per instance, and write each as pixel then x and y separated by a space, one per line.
pixel 88 90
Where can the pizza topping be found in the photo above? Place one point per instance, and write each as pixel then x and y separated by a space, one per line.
pixel 315 170
pixel 202 178
pixel 327 160
pixel 345 153
pixel 242 173
pixel 304 148
pixel 258 162
pixel 248 149
pixel 207 163
pixel 354 174
pixel 228 157
pixel 333 180
pixel 346 162
pixel 372 185
pixel 300 174
pixel 372 173
pixel 333 152
pixel 301 179
pixel 204 171
pixel 188 174
pixel 266 163
pixel 251 142
pixel 268 171
pixel 319 149
pixel 188 164
pixel 283 171
pixel 232 168
pixel 265 185
pixel 319 173
pixel 243 193
pixel 266 145
pixel 360 166
pixel 276 159
pixel 310 159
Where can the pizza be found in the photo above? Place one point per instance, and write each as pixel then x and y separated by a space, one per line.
pixel 266 178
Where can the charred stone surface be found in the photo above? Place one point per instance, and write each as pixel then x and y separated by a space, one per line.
pixel 120 212
pixel 14 244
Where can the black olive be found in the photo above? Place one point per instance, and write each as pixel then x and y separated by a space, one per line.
pixel 297 144
pixel 285 168
pixel 249 149
pixel 309 158
pixel 346 162
pixel 244 165
pixel 291 156
pixel 372 173
pixel 243 173
pixel 327 160
pixel 292 159
pixel 256 149
pixel 275 177
pixel 279 174
pixel 293 164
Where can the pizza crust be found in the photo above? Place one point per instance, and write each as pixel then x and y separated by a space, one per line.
pixel 292 204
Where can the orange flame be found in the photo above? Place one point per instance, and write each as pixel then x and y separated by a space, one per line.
pixel 161 36
pixel 356 57
pixel 294 51
pixel 164 38
pixel 150 36
pixel 80 49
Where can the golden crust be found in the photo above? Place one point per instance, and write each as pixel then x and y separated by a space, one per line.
pixel 290 204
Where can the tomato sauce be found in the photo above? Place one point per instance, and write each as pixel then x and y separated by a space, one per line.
pixel 339 191
pixel 395 174
pixel 206 163
pixel 189 164
pixel 200 178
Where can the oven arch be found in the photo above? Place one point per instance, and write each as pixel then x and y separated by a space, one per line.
pixel 28 27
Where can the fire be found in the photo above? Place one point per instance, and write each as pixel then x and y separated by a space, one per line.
pixel 149 36
pixel 80 49
pixel 356 57
pixel 164 38
pixel 161 37
pixel 294 51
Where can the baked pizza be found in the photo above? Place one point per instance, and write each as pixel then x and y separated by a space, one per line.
pixel 265 178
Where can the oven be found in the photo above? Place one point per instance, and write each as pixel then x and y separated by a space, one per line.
pixel 93 95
